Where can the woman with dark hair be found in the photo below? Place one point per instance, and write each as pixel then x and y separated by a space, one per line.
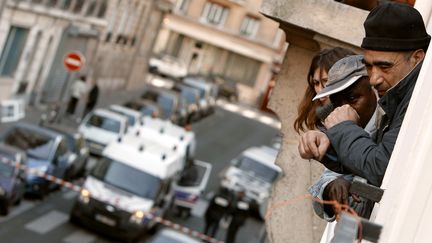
pixel 317 77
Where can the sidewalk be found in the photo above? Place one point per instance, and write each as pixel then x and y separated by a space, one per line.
pixel 33 114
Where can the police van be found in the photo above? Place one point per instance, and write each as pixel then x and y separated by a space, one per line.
pixel 101 127
pixel 129 182
pixel 134 118
pixel 171 135
pixel 253 172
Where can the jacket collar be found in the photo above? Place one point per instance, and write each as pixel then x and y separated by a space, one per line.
pixel 390 101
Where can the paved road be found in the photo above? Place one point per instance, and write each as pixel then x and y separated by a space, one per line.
pixel 220 137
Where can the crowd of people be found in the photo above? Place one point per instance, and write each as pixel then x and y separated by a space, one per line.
pixel 354 105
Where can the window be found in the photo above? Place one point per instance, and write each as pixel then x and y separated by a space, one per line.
pixel 182 5
pixel 102 10
pixel 249 26
pixel 214 14
pixel 65 4
pixel 12 50
pixel 91 8
pixel 78 6
pixel 241 69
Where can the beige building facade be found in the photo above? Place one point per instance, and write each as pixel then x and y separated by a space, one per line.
pixel 114 37
pixel 224 37
pixel 34 37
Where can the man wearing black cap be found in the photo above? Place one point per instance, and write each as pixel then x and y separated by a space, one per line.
pixel 394 48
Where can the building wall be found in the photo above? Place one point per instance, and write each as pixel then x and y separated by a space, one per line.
pixel 46 26
pixel 309 26
pixel 221 40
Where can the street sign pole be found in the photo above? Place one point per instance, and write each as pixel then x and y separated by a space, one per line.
pixel 73 62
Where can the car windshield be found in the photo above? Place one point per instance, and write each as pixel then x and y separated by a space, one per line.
pixel 189 95
pixel 192 176
pixel 259 170
pixel 37 145
pixel 130 118
pixel 104 123
pixel 167 105
pixel 127 178
pixel 7 170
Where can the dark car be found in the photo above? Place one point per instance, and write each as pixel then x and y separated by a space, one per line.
pixel 172 104
pixel 227 87
pixel 12 179
pixel 46 152
pixel 75 142
pixel 191 98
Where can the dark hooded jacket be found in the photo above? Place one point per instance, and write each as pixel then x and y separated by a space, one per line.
pixel 368 155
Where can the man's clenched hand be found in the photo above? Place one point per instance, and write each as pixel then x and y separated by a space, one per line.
pixel 340 114
pixel 313 145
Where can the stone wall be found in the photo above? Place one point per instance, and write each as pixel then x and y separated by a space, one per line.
pixel 309 25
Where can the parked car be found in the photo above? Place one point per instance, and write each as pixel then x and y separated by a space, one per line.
pixel 191 97
pixel 12 178
pixel 145 107
pixel 167 66
pixel 227 88
pixel 101 127
pixel 167 235
pixel 172 104
pixel 208 92
pixel 254 171
pixel 77 144
pixel 46 152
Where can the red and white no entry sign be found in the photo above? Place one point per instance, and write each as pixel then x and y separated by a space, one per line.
pixel 73 61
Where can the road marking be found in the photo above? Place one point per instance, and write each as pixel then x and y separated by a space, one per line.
pixel 250 113
pixel 80 236
pixel 24 206
pixel 47 222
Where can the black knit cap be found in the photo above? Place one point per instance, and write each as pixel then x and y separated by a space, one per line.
pixel 395 27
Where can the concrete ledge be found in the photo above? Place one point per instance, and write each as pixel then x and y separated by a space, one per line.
pixel 325 17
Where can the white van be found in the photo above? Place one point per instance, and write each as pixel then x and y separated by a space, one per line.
pixel 171 135
pixel 133 117
pixel 126 184
pixel 253 171
pixel 101 127
pixel 208 92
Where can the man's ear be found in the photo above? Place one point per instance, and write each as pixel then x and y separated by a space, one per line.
pixel 418 56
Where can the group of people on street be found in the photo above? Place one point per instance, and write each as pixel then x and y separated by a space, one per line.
pixel 354 105
pixel 79 90
pixel 226 205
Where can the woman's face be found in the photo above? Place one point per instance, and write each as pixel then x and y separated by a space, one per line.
pixel 319 80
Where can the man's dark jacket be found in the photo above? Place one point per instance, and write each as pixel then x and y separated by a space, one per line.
pixel 368 157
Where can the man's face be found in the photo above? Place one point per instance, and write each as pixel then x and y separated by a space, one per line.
pixel 386 69
pixel 359 96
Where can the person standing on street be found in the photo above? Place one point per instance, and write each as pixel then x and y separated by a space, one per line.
pixel 91 99
pixel 218 207
pixel 79 87
pixel 239 214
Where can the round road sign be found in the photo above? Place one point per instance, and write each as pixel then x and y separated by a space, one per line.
pixel 73 61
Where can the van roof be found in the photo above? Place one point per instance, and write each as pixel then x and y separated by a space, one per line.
pixel 264 155
pixel 125 110
pixel 165 130
pixel 110 114
pixel 152 158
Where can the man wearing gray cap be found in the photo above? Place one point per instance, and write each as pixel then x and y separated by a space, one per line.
pixel 348 83
pixel 395 46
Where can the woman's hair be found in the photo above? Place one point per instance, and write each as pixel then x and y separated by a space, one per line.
pixel 306 118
